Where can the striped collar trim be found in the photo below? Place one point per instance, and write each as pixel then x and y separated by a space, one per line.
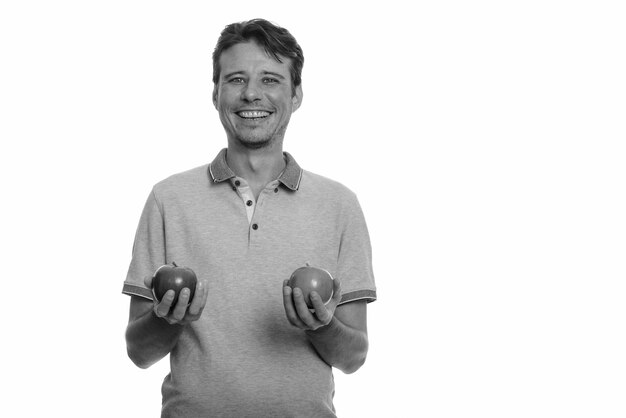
pixel 290 177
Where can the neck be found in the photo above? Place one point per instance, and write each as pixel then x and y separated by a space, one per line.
pixel 257 166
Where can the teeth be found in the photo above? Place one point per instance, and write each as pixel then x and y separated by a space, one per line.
pixel 253 114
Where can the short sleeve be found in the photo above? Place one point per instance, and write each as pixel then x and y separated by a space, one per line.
pixel 355 256
pixel 148 249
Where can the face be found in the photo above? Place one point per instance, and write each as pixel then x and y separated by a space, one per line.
pixel 254 96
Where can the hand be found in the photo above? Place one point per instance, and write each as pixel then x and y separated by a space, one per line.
pixel 184 312
pixel 299 314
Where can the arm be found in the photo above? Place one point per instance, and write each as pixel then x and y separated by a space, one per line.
pixel 148 338
pixel 338 333
pixel 154 328
pixel 343 342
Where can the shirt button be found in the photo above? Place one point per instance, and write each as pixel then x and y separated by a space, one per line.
pixel 255 226
pixel 234 188
pixel 237 183
pixel 249 203
pixel 276 190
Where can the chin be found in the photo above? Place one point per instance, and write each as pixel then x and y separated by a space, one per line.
pixel 256 143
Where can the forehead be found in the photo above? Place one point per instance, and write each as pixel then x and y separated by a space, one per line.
pixel 250 57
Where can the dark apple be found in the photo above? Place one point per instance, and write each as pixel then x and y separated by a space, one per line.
pixel 172 277
pixel 310 279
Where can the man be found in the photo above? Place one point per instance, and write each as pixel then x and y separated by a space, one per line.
pixel 244 223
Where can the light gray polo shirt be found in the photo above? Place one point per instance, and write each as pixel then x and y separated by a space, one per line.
pixel 242 357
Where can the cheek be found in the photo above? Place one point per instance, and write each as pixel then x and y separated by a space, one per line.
pixel 278 93
pixel 226 95
pixel 224 105
pixel 282 102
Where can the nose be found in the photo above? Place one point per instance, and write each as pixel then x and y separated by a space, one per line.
pixel 251 92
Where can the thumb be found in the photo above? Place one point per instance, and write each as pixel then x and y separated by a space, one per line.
pixel 336 290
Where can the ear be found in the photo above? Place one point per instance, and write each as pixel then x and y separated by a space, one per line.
pixel 215 95
pixel 296 99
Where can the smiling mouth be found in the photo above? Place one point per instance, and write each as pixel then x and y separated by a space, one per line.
pixel 253 114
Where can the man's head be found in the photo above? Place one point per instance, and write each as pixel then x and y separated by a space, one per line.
pixel 277 42
pixel 257 86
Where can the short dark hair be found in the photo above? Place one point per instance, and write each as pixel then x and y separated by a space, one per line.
pixel 276 41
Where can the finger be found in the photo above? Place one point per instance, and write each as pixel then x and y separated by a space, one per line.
pixel 316 301
pixel 205 293
pixel 336 298
pixel 303 310
pixel 181 305
pixel 323 314
pixel 336 290
pixel 199 299
pixel 290 309
pixel 163 308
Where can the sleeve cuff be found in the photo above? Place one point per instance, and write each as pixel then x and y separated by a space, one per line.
pixel 367 295
pixel 134 290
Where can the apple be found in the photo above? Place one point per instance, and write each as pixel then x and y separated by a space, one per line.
pixel 171 276
pixel 310 279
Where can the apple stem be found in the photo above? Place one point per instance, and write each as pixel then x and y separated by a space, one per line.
pixel 308 264
pixel 174 264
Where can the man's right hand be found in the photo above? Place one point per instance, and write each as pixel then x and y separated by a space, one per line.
pixel 183 312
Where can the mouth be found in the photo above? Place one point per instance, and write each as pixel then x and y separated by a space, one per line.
pixel 255 115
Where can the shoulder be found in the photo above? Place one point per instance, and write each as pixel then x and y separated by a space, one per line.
pixel 332 195
pixel 184 182
pixel 315 183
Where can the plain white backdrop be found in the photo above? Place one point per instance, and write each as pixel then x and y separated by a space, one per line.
pixel 485 141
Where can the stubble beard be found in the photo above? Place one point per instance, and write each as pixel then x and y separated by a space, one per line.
pixel 253 142
pixel 256 143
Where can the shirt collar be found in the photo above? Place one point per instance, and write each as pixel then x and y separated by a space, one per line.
pixel 290 177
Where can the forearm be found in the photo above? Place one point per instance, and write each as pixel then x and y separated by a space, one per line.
pixel 340 346
pixel 149 339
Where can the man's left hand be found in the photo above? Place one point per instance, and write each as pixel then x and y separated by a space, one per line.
pixel 298 312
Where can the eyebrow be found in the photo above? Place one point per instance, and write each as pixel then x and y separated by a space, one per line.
pixel 274 74
pixel 263 73
pixel 229 75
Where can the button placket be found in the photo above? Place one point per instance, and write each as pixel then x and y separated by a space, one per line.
pixel 247 198
pixel 254 224
pixel 248 201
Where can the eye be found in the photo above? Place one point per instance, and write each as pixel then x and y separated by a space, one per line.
pixel 270 80
pixel 236 80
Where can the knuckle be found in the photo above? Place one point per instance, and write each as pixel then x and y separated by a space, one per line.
pixel 178 314
pixel 160 312
pixel 323 317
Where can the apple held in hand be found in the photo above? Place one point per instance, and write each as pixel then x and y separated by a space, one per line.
pixel 310 279
pixel 171 276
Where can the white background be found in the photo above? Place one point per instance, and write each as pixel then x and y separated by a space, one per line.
pixel 484 139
